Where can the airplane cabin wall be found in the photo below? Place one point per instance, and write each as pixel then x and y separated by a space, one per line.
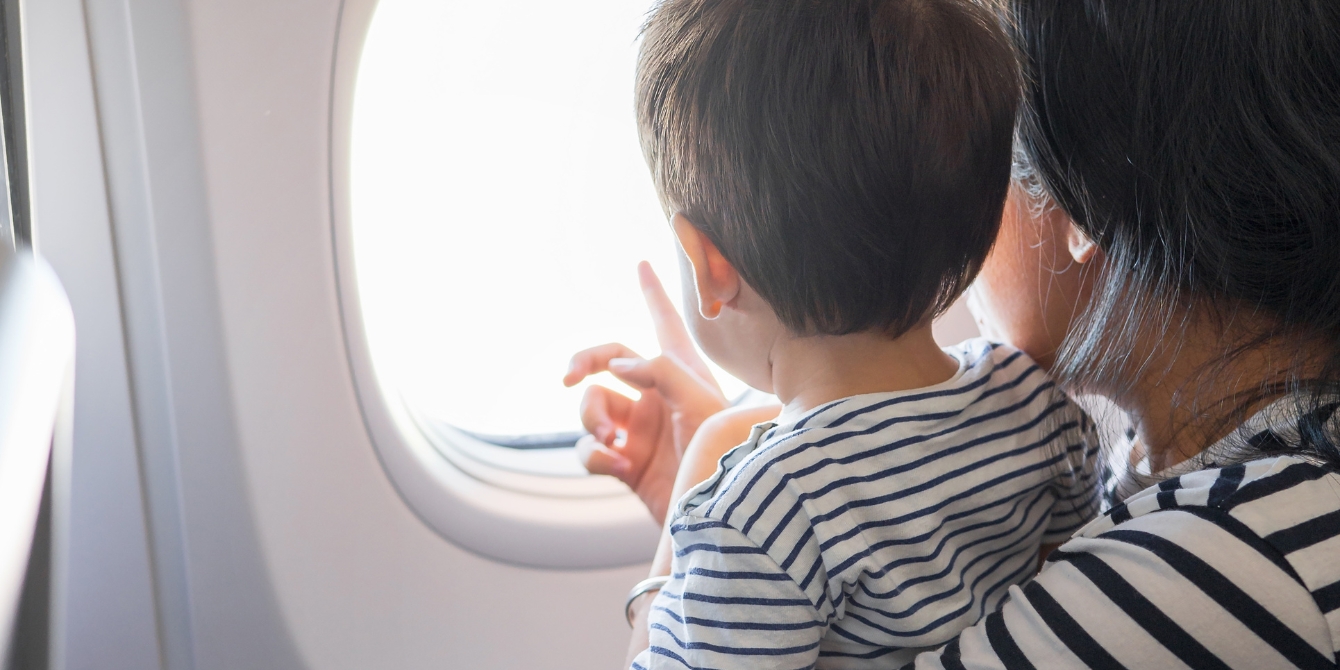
pixel 229 508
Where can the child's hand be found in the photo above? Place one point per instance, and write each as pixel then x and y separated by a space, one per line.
pixel 641 441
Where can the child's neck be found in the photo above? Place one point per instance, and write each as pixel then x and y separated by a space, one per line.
pixel 810 371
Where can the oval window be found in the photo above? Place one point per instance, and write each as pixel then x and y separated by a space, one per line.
pixel 500 206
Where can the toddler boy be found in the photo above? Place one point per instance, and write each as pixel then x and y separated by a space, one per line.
pixel 835 171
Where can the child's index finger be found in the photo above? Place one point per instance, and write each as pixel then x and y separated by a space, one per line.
pixel 669 327
pixel 671 334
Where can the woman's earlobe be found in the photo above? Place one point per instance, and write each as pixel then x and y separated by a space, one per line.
pixel 1082 249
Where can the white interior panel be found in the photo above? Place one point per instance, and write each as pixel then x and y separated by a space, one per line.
pixel 106 616
pixel 360 580
pixel 231 509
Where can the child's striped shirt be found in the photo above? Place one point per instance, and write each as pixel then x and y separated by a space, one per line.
pixel 876 525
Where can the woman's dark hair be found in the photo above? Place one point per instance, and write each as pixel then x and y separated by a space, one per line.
pixel 849 157
pixel 1198 144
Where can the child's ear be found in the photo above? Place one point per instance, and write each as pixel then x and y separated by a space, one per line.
pixel 714 277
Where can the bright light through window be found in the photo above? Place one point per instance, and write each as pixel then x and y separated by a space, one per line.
pixel 501 204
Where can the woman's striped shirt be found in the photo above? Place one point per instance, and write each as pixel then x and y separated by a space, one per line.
pixel 1232 566
pixel 876 525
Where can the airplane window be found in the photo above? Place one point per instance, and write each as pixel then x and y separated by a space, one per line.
pixel 500 206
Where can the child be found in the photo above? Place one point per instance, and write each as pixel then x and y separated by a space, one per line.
pixel 836 171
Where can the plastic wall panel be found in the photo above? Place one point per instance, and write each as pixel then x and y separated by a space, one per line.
pixel 361 581
pixel 105 593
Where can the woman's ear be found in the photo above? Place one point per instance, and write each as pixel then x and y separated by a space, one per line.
pixel 1082 249
pixel 714 277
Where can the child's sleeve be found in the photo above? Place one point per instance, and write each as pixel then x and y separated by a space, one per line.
pixel 728 605
pixel 1078 491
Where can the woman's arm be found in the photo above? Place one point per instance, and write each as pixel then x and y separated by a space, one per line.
pixel 1169 589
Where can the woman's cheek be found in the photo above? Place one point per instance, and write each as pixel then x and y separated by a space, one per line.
pixel 1007 309
pixel 1008 297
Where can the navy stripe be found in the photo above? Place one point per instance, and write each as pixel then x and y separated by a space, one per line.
pixel 809 576
pixel 1067 531
pixel 951 658
pixel 698 525
pixel 1167 495
pixel 1230 478
pixel 818 411
pixel 801 542
pixel 1306 534
pixel 738 600
pixel 1285 479
pixel 736 625
pixel 1068 631
pixel 1233 599
pixel 1027 571
pixel 828 653
pixel 1328 598
pixel 662 651
pixel 840 631
pixel 998 636
pixel 715 549
pixel 1245 535
pixel 719 574
pixel 1160 626
pixel 734 651
pixel 1119 513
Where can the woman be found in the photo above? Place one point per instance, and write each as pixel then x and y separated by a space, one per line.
pixel 1175 248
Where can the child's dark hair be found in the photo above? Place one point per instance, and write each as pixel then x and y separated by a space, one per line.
pixel 849 157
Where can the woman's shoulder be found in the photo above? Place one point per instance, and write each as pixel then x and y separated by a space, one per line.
pixel 1278 518
pixel 1222 567
pixel 1267 496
